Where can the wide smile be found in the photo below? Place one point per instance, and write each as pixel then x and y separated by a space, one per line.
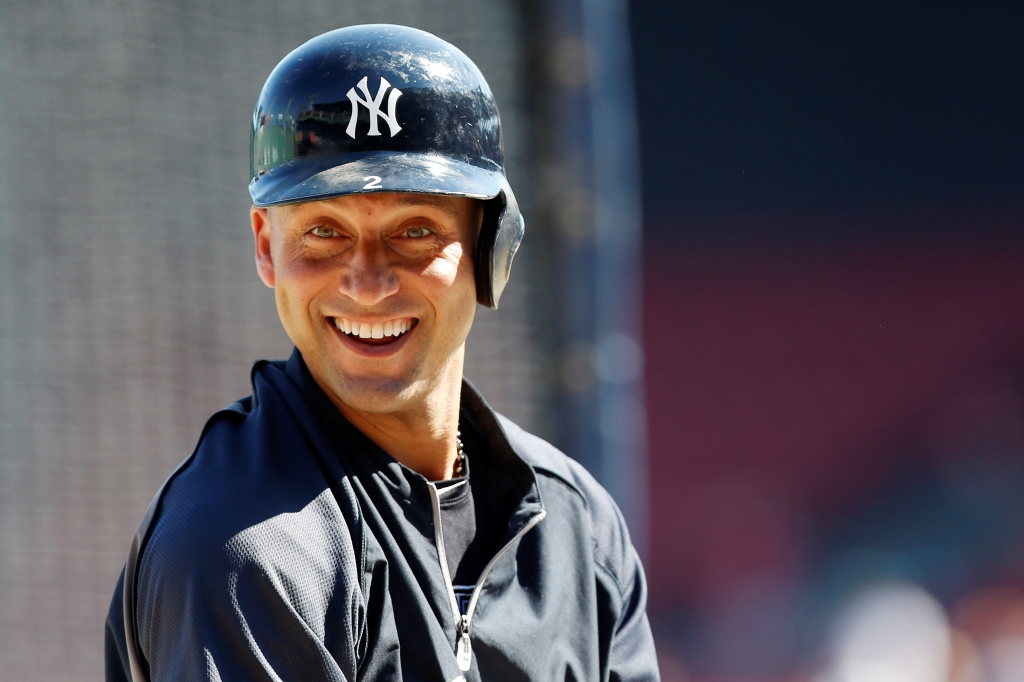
pixel 374 338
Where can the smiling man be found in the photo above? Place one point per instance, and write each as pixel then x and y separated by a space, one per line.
pixel 378 293
pixel 364 515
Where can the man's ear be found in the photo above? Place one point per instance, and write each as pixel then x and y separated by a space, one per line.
pixel 481 210
pixel 260 218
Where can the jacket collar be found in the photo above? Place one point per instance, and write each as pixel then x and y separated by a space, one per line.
pixel 475 414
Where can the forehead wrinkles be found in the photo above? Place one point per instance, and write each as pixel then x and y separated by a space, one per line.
pixel 279 215
pixel 367 203
pixel 442 203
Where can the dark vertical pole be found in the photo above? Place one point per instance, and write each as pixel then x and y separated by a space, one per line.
pixel 617 234
pixel 588 219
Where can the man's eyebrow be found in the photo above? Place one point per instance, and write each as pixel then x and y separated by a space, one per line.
pixel 440 202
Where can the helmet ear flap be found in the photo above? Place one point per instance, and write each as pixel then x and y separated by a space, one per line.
pixel 500 235
pixel 493 208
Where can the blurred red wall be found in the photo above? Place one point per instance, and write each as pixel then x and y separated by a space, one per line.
pixel 780 383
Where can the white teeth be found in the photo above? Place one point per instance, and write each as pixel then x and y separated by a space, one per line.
pixel 377 330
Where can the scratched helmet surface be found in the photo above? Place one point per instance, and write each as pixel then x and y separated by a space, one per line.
pixel 382 108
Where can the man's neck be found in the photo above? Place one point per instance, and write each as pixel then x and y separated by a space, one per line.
pixel 422 437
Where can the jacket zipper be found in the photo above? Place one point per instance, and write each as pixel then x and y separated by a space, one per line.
pixel 463 648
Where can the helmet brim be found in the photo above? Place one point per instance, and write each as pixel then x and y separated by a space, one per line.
pixel 377 172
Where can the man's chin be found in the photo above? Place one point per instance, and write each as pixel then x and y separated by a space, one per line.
pixel 375 393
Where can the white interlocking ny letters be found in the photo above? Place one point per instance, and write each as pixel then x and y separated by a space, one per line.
pixel 373 106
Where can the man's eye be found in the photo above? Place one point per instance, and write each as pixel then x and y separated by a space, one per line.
pixel 417 232
pixel 325 231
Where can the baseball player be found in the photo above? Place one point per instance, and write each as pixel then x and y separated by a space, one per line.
pixel 364 514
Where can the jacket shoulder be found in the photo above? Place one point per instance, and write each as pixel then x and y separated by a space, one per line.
pixel 242 486
pixel 244 526
pixel 613 550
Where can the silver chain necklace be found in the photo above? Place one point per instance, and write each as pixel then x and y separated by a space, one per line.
pixel 460 462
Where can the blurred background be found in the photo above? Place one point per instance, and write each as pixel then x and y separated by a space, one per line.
pixel 771 294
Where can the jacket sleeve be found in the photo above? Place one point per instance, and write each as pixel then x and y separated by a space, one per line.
pixel 631 653
pixel 632 656
pixel 627 643
pixel 278 601
pixel 115 655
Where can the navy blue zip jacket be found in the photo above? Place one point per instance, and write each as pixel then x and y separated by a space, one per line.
pixel 290 547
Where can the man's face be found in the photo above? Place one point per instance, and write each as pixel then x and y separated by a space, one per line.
pixel 376 290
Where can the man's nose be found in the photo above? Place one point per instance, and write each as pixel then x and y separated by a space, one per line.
pixel 368 278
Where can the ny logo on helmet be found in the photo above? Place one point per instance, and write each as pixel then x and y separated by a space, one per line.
pixel 373 106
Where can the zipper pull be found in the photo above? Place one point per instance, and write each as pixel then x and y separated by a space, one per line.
pixel 464 652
